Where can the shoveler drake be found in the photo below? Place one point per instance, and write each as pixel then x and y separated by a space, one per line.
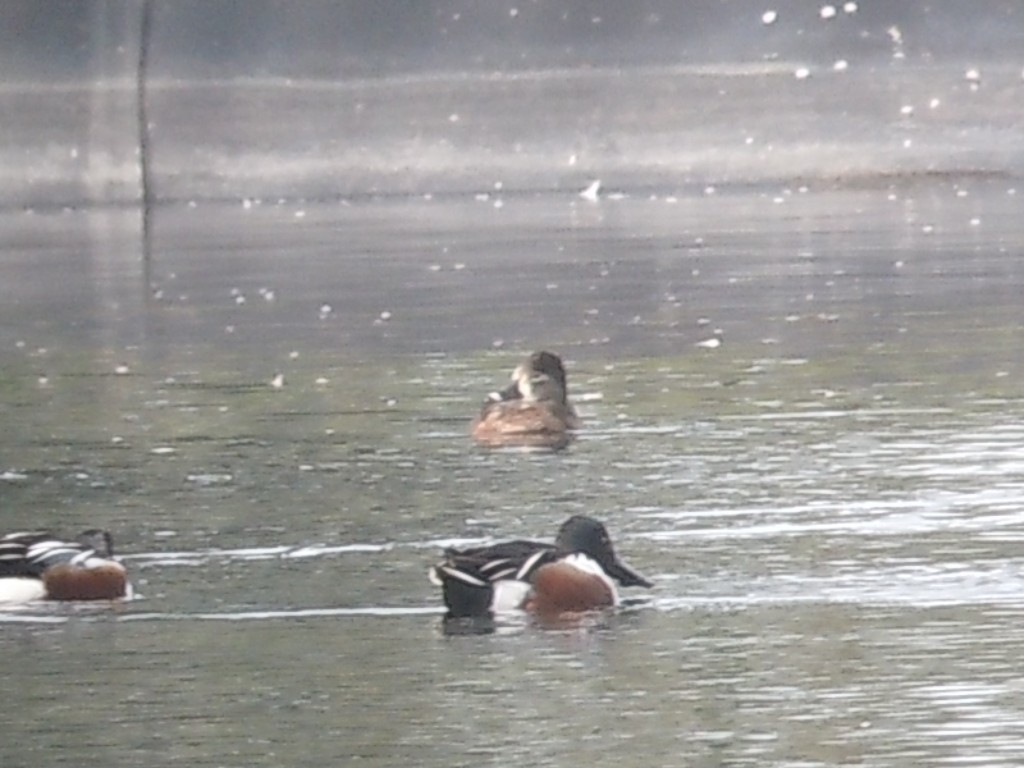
pixel 533 411
pixel 37 566
pixel 575 574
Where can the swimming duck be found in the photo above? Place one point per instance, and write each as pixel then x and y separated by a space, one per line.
pixel 533 411
pixel 575 574
pixel 37 566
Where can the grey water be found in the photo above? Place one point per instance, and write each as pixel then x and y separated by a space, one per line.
pixel 792 321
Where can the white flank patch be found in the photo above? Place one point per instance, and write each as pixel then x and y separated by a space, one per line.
pixel 21 590
pixel 509 595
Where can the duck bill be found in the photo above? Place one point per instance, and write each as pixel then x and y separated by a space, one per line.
pixel 626 576
pixel 511 392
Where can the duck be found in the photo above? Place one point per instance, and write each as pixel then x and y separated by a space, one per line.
pixel 574 575
pixel 533 411
pixel 35 565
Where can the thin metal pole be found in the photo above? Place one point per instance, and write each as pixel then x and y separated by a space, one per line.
pixel 145 25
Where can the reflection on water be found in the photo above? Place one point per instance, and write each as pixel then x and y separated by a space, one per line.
pixel 827 501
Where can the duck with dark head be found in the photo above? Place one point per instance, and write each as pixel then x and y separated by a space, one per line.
pixel 532 411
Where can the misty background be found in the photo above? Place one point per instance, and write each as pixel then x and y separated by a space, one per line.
pixel 257 98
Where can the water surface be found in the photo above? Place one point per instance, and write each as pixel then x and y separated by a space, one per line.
pixel 828 501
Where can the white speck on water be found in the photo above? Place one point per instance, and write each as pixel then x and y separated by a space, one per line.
pixel 391 402
pixel 434 267
pixel 972 75
pixel 895 35
pixel 769 17
pixel 827 11
pixel 229 329
pixel 802 73
pixel 573 159
pixel 961 193
pixel 278 381
pixel 499 203
pixel 322 380
pixel 43 381
pixel 841 65
pixel 908 143
pixel 209 478
pixel 385 315
pixel 122 370
pixel 850 7
pixel 975 222
pixel 325 310
pixel 305 467
pixel 453 117
pixel 293 355
pixel 898 264
pixel 712 343
pixel 934 103
pixel 907 109
pixel 749 140
pixel 117 440
pixel 13 476
pixel 592 191
pixel 458 266
pixel 247 204
pixel 927 229
pixel 163 450
pixel 709 190
pixel 300 214
pixel 513 12
pixel 239 299
pixel 482 197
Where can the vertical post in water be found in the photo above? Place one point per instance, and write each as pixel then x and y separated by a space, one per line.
pixel 142 74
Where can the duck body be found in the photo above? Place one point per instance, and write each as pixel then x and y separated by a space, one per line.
pixel 533 411
pixel 577 573
pixel 35 565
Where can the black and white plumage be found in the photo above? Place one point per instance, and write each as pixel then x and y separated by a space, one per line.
pixel 36 565
pixel 482 581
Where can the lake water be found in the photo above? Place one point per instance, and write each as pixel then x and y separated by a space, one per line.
pixel 792 320
pixel 828 502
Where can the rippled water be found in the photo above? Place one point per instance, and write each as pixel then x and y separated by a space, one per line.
pixel 828 502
